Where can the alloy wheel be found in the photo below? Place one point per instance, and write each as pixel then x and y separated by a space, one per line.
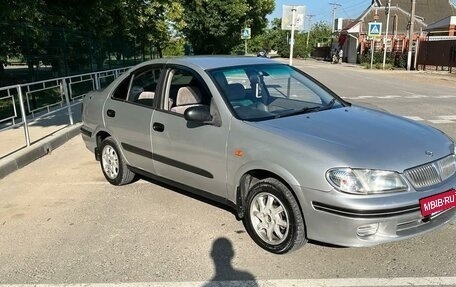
pixel 269 218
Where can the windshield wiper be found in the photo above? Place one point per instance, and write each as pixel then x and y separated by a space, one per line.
pixel 301 111
pixel 305 110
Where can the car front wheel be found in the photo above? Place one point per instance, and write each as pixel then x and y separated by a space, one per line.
pixel 113 165
pixel 273 218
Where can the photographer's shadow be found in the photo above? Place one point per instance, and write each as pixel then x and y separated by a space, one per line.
pixel 222 253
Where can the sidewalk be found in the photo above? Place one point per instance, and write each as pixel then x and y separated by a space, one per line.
pixel 440 77
pixel 46 134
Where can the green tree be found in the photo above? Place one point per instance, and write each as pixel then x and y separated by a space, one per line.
pixel 79 32
pixel 77 35
pixel 278 39
pixel 151 23
pixel 320 32
pixel 213 27
pixel 175 47
pixel 21 30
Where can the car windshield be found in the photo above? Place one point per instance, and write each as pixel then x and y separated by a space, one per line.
pixel 262 92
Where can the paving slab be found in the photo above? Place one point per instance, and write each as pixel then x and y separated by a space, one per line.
pixel 46 134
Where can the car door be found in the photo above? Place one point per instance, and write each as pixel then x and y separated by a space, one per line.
pixel 128 114
pixel 188 153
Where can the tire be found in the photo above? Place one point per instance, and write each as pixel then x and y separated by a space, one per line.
pixel 273 218
pixel 113 165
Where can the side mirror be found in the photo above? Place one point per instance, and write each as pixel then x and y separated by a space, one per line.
pixel 198 114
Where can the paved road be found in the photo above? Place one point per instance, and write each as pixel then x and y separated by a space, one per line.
pixel 423 96
pixel 61 222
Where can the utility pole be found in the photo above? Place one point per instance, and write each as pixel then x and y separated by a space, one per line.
pixel 335 5
pixel 412 25
pixel 308 32
pixel 385 40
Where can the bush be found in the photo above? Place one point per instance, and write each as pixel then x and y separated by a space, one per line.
pixel 400 60
pixel 378 58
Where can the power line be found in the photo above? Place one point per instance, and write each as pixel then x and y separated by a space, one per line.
pixel 323 17
pixel 359 4
pixel 346 14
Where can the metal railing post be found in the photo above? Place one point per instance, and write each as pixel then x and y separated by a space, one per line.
pixel 24 116
pixel 97 82
pixel 67 99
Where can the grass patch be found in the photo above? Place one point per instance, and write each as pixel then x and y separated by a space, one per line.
pixel 6 108
pixel 377 66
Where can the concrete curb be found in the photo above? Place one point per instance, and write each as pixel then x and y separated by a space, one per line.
pixel 39 149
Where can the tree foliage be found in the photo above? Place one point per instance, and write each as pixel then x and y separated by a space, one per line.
pixel 72 34
pixel 320 33
pixel 26 23
pixel 213 27
pixel 304 43
pixel 75 35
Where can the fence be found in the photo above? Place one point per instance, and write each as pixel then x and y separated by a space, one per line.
pixel 52 100
pixel 438 53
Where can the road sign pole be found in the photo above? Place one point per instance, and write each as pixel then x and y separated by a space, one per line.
pixel 245 44
pixel 385 40
pixel 375 29
pixel 293 19
pixel 245 35
pixel 372 52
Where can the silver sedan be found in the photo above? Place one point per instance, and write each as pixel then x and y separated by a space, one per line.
pixel 291 158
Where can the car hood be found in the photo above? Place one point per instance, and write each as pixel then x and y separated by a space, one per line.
pixel 361 138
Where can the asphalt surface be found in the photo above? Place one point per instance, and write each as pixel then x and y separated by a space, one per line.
pixel 62 223
pixel 428 95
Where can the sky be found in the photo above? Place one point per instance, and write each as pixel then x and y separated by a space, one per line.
pixel 322 10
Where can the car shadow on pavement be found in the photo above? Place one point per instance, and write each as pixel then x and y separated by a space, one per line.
pixel 222 254
pixel 218 205
pixel 196 196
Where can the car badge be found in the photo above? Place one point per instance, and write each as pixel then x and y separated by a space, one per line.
pixel 429 153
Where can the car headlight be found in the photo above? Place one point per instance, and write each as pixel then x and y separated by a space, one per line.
pixel 365 181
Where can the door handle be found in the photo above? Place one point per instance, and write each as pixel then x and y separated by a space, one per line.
pixel 111 113
pixel 159 127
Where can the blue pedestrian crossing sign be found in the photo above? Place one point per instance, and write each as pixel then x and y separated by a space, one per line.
pixel 375 29
pixel 245 33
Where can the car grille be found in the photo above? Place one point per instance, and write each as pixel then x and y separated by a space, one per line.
pixel 432 173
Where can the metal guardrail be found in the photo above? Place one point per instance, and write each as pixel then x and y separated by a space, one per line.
pixel 23 104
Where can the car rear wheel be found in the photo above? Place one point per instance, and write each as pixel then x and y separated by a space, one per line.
pixel 273 218
pixel 113 165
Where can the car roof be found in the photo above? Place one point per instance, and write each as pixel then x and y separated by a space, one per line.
pixel 213 62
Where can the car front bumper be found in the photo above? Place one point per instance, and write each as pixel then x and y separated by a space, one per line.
pixel 358 221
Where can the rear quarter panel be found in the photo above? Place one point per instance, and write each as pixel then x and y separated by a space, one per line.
pixel 93 106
